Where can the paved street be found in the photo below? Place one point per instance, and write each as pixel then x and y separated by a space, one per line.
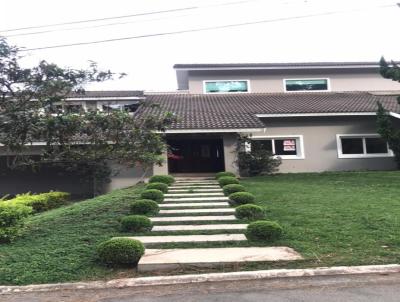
pixel 369 288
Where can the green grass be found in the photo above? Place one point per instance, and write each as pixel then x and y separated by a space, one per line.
pixel 350 218
pixel 59 245
pixel 330 218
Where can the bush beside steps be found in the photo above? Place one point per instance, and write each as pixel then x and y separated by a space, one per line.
pixel 224 174
pixel 120 251
pixel 136 223
pixel 227 180
pixel 249 212
pixel 264 230
pixel 166 179
pixel 240 198
pixel 157 186
pixel 145 207
pixel 152 194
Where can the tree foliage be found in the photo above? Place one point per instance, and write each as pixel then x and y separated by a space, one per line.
pixel 84 141
pixel 386 128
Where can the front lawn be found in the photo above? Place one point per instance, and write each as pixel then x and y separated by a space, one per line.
pixel 350 218
pixel 330 218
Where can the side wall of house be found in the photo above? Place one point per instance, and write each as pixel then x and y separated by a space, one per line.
pixel 320 144
pixel 272 81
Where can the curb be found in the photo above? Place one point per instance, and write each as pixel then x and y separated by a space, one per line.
pixel 213 277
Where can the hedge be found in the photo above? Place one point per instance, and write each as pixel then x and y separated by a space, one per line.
pixel 12 218
pixel 41 202
pixel 136 223
pixel 249 212
pixel 240 198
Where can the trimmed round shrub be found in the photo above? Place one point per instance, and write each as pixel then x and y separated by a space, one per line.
pixel 264 230
pixel 227 180
pixel 120 251
pixel 242 198
pixel 136 223
pixel 249 212
pixel 158 186
pixel 233 188
pixel 224 174
pixel 146 207
pixel 153 194
pixel 166 179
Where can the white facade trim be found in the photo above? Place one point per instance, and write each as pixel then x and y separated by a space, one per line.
pixel 365 154
pixel 297 137
pixel 354 66
pixel 306 79
pixel 396 115
pixel 105 98
pixel 315 114
pixel 212 130
pixel 228 80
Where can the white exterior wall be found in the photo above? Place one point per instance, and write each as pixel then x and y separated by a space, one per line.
pixel 261 82
pixel 320 145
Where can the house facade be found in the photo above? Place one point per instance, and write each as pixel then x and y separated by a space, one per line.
pixel 315 116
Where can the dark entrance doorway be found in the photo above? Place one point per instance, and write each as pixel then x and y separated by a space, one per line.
pixel 195 156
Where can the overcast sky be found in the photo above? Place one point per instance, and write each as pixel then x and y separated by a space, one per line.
pixel 290 31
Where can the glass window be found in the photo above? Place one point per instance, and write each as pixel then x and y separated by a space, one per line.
pixel 73 108
pixel 120 106
pixel 226 86
pixel 375 145
pixel 352 146
pixel 265 144
pixel 285 147
pixel 306 85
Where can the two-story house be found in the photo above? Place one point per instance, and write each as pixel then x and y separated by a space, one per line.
pixel 315 116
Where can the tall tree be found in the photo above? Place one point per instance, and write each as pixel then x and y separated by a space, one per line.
pixel 84 141
pixel 386 128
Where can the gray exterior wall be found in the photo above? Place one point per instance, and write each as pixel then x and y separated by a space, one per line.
pixel 320 146
pixel 272 81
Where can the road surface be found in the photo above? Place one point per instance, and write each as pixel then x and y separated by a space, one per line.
pixel 371 288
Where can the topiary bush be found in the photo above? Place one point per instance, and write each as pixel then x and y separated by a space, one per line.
pixel 158 186
pixel 153 194
pixel 227 180
pixel 166 179
pixel 224 174
pixel 240 198
pixel 146 207
pixel 120 251
pixel 249 212
pixel 233 188
pixel 264 230
pixel 136 223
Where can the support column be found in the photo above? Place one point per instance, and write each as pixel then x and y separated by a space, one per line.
pixel 230 154
pixel 163 169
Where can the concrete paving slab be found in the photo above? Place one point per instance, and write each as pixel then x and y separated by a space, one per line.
pixel 190 199
pixel 200 227
pixel 205 194
pixel 194 190
pixel 194 211
pixel 185 184
pixel 193 218
pixel 161 259
pixel 193 204
pixel 185 187
pixel 146 240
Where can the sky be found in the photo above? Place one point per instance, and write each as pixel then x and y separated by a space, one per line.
pixel 284 31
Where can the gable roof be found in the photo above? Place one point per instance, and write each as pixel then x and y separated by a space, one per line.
pixel 239 111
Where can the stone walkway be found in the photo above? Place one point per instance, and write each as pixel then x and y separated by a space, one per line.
pixel 194 205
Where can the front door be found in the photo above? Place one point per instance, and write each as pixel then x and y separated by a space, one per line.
pixel 195 156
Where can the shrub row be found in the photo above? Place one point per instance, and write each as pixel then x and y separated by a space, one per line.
pixel 41 202
pixel 260 230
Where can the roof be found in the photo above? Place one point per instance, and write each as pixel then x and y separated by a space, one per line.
pixel 239 111
pixel 278 65
pixel 107 94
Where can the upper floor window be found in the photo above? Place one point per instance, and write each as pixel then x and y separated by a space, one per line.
pixel 226 86
pixel 306 85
